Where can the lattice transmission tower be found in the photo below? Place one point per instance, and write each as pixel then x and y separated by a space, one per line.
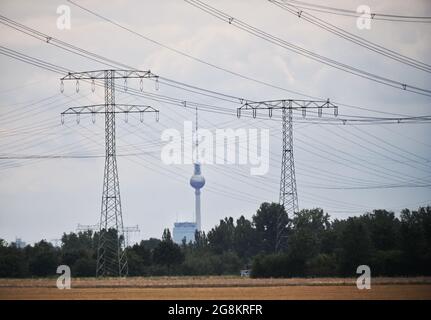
pixel 288 195
pixel 111 256
pixel 86 227
pixel 126 230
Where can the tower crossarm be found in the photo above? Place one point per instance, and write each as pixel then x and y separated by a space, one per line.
pixel 117 108
pixel 86 227
pixel 293 104
pixel 116 74
pixel 132 229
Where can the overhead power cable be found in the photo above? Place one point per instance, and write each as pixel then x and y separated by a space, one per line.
pixel 176 84
pixel 303 15
pixel 217 67
pixel 304 52
pixel 60 156
pixel 205 107
pixel 356 14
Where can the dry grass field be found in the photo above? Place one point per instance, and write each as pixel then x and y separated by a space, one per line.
pixel 216 288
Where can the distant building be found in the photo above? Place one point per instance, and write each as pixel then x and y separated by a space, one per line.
pixel 19 243
pixel 184 230
pixel 56 243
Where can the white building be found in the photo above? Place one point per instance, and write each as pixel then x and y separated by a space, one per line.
pixel 184 230
pixel 19 243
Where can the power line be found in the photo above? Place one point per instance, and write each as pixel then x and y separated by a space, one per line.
pixel 173 83
pixel 371 187
pixel 158 43
pixel 352 37
pixel 393 146
pixel 304 52
pixel 63 156
pixel 355 14
pixel 260 187
pixel 337 174
pixel 366 147
pixel 61 70
pixel 217 67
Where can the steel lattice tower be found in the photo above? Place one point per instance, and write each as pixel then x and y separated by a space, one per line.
pixel 111 254
pixel 288 196
pixel 126 230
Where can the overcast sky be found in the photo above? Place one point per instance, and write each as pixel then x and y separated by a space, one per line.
pixel 42 198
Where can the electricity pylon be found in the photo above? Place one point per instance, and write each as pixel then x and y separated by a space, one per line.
pixel 126 230
pixel 288 196
pixel 56 242
pixel 111 256
pixel 86 227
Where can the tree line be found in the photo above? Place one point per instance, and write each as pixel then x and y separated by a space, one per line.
pixel 313 245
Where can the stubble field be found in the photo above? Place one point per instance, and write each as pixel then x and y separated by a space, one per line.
pixel 216 288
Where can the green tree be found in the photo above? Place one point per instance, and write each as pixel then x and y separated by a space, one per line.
pixel 79 246
pixel 13 262
pixel 201 241
pixel 416 240
pixel 271 266
pixel 384 229
pixel 306 237
pixel 150 244
pixel 355 246
pixel 221 237
pixel 167 252
pixel 266 219
pixel 245 238
pixel 322 265
pixel 84 267
pixel 143 252
pixel 139 258
pixel 43 258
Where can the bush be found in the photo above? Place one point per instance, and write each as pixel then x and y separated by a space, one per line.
pixel 12 263
pixel 43 259
pixel 323 265
pixel 196 263
pixel 84 267
pixel 271 266
pixel 388 263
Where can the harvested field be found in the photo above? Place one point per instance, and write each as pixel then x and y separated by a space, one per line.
pixel 216 288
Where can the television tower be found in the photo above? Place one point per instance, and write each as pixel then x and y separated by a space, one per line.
pixel 288 196
pixel 111 255
pixel 197 181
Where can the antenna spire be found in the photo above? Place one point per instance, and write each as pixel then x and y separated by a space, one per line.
pixel 196 134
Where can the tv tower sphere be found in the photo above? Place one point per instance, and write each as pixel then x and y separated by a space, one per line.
pixel 197 180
